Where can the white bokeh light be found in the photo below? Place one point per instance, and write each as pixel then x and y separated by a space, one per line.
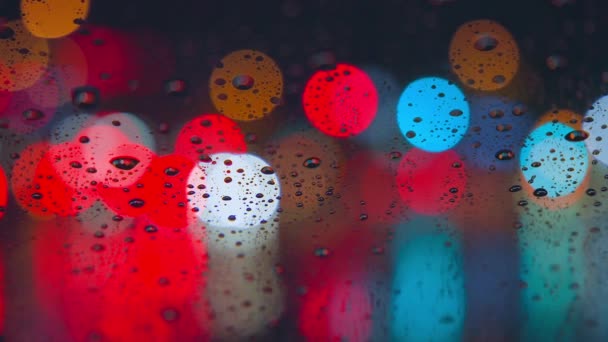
pixel 596 124
pixel 240 191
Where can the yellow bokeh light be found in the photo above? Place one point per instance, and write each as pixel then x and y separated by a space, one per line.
pixel 246 85
pixel 53 18
pixel 484 55
pixel 23 57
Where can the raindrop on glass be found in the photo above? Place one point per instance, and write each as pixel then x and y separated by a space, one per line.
pixel 124 163
pixel 312 162
pixel 577 135
pixel 504 155
pixel 243 82
pixel 85 97
pixel 33 114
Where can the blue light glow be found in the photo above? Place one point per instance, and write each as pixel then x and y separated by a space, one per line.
pixel 497 123
pixel 428 287
pixel 549 161
pixel 433 114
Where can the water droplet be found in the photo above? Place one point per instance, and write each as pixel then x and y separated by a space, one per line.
pixel 267 170
pixel 124 163
pixel 519 110
pixel 91 170
pixel 378 250
pixel 176 87
pixel 150 229
pixel 410 134
pixel 312 162
pixel 499 79
pixel 205 158
pixel 515 188
pixel 137 203
pixel 84 139
pixel 577 135
pixel 37 195
pixel 232 217
pixel 226 198
pixel 504 155
pixel 227 179
pixel 196 140
pixel 536 164
pixel 395 155
pixel 251 138
pixel 503 127
pixel 456 112
pixel 85 97
pixel 75 165
pixel 485 42
pixel 496 113
pixel 590 192
pixel 322 252
pixel 98 247
pixel 540 192
pixel 171 171
pixel 33 114
pixel 170 314
pixel 243 82
pixel 363 217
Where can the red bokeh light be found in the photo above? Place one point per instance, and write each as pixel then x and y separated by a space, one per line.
pixel 329 313
pixel 3 193
pixel 160 193
pixel 431 183
pixel 129 285
pixel 23 176
pixel 340 102
pixel 121 63
pixel 58 196
pixel 207 134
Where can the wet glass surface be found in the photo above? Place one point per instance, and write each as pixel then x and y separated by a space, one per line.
pixel 419 170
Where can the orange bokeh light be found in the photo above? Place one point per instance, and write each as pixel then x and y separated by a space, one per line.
pixel 484 55
pixel 246 85
pixel 53 18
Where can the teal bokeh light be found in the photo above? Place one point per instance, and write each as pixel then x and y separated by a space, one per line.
pixel 549 161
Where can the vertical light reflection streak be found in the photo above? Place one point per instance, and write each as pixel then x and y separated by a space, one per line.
pixel 552 272
pixel 428 285
pixel 244 292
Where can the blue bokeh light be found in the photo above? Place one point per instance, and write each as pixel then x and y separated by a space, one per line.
pixel 497 123
pixel 433 114
pixel 549 161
